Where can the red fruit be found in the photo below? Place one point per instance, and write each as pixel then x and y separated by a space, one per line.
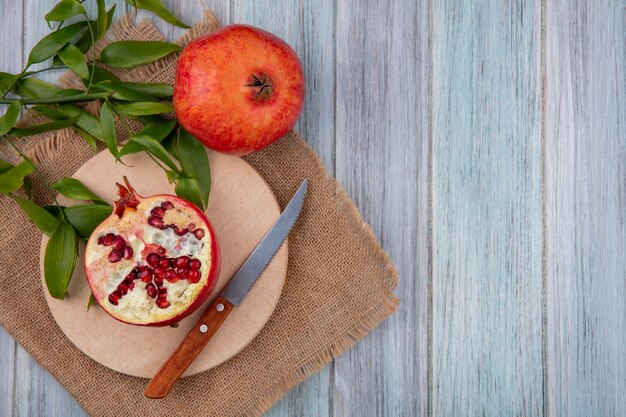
pixel 238 89
pixel 192 275
pixel 129 223
pixel 198 233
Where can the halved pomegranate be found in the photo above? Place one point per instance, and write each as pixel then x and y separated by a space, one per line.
pixel 154 261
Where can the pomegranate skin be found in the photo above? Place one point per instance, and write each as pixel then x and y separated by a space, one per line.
pixel 200 296
pixel 238 89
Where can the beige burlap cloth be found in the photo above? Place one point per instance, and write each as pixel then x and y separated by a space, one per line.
pixel 339 284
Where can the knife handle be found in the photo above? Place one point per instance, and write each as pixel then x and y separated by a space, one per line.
pixel 161 384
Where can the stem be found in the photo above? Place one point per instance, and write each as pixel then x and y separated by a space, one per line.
pixel 43 180
pixel 93 53
pixel 54 100
pixel 29 73
pixel 14 81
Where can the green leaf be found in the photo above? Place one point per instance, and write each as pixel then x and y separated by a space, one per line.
pixel 127 54
pixel 12 180
pixel 4 166
pixel 10 117
pixel 121 92
pixel 57 113
pixel 44 221
pixel 55 211
pixel 195 163
pixel 91 301
pixel 35 88
pixel 107 121
pixel 75 60
pixel 41 128
pixel 157 7
pixel 144 108
pixel 64 10
pixel 6 80
pixel 189 188
pixel 86 217
pixel 60 259
pixel 155 148
pixel 153 89
pixel 73 188
pixel 91 141
pixel 28 187
pixel 87 122
pixel 102 20
pixel 52 43
pixel 157 131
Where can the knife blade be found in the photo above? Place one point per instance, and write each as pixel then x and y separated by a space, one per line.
pixel 235 291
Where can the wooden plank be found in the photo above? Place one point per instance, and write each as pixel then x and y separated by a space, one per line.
pixel 486 209
pixel 307 28
pixel 382 161
pixel 7 367
pixel 585 208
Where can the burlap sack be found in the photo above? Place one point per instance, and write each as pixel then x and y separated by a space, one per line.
pixel 339 284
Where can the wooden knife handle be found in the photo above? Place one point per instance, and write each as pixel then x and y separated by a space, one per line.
pixel 161 384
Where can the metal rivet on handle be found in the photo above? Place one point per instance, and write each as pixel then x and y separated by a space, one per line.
pixel 219 307
pixel 203 328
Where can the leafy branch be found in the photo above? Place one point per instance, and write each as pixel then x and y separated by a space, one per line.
pixel 67 46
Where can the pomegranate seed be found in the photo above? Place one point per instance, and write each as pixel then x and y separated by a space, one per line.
pixel 118 243
pixel 167 205
pixel 157 212
pixel 161 251
pixel 151 290
pixel 181 273
pixel 162 302
pixel 159 272
pixel 128 252
pixel 153 259
pixel 130 277
pixel 108 239
pixel 101 240
pixel 123 288
pixel 162 291
pixel 154 222
pixel 193 275
pixel 191 226
pixel 180 231
pixel 115 256
pixel 131 285
pixel 171 276
pixel 145 275
pixel 164 263
pixel 195 264
pixel 181 262
pixel 114 297
pixel 158 281
pixel 198 233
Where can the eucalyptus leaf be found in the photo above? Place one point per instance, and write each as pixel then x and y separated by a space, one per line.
pixel 75 60
pixel 12 180
pixel 52 43
pixel 107 121
pixel 45 221
pixel 189 189
pixel 157 130
pixel 155 148
pixel 195 163
pixel 86 217
pixel 157 7
pixel 73 188
pixel 144 108
pixel 41 128
pixel 60 259
pixel 64 10
pixel 127 54
pixel 10 117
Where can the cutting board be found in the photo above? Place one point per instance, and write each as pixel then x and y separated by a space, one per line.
pixel 242 208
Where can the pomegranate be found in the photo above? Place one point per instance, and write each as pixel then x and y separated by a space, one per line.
pixel 154 261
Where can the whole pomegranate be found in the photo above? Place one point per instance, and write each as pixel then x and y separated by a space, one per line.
pixel 238 89
pixel 154 260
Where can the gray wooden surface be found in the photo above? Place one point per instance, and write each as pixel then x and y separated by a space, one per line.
pixel 485 143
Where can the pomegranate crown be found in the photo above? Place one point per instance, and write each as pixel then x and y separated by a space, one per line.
pixel 128 198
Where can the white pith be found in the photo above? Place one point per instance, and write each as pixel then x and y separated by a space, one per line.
pixel 136 306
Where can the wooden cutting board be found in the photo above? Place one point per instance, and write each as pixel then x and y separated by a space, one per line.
pixel 242 208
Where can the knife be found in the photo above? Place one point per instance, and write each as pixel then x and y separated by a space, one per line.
pixel 197 338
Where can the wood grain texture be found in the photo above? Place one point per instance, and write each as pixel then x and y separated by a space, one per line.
pixel 487 209
pixel 381 159
pixel 586 206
